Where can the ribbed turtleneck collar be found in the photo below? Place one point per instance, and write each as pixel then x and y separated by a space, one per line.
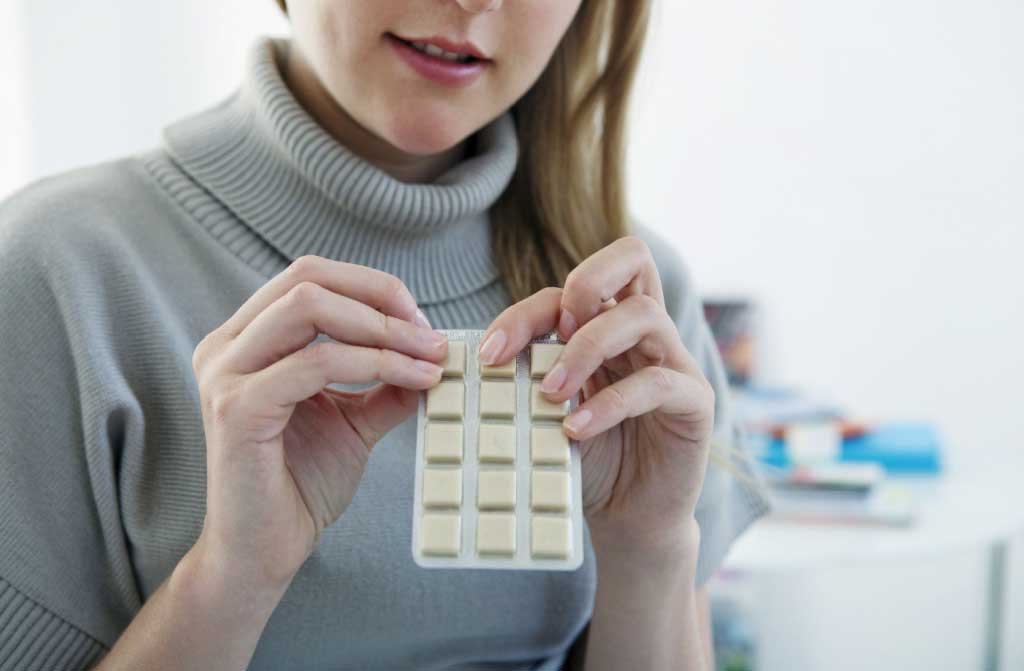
pixel 264 157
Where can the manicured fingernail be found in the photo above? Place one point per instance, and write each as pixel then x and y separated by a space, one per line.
pixel 554 380
pixel 435 338
pixel 566 324
pixel 578 420
pixel 427 367
pixel 492 347
pixel 421 319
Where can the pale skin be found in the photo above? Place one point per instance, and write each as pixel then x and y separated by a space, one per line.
pixel 285 453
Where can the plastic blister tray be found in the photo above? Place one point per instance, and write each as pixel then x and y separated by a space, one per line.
pixel 466 512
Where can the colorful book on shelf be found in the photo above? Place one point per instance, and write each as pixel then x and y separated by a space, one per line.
pixel 902 448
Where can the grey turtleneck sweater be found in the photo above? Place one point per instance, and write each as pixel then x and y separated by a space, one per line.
pixel 110 275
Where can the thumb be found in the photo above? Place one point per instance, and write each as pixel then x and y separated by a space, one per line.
pixel 375 411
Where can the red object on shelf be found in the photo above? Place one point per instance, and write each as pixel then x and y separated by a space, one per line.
pixel 847 428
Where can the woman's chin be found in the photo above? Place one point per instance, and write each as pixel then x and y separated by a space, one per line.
pixel 422 136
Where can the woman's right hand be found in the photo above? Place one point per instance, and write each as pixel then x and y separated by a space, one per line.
pixel 285 454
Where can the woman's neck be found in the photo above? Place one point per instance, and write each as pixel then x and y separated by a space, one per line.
pixel 298 75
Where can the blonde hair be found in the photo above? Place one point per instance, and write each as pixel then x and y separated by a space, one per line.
pixel 567 198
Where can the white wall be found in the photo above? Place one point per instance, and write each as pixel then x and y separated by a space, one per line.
pixel 103 77
pixel 858 167
pixel 14 127
pixel 855 616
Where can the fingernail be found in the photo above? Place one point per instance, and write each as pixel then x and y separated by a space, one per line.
pixel 576 421
pixel 436 338
pixel 492 347
pixel 427 367
pixel 554 380
pixel 566 324
pixel 421 319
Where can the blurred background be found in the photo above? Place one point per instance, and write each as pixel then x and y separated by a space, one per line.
pixel 846 181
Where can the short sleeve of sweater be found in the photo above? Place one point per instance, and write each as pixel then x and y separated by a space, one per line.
pixel 66 584
pixel 734 496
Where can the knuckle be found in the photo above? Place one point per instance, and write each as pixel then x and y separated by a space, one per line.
pixel 387 361
pixel 637 245
pixel 303 294
pixel 395 288
pixel 385 326
pixel 580 285
pixel 646 303
pixel 202 349
pixel 616 400
pixel 585 341
pixel 504 315
pixel 668 323
pixel 224 403
pixel 198 356
pixel 316 354
pixel 659 379
pixel 572 280
pixel 206 382
pixel 205 351
pixel 550 292
pixel 305 267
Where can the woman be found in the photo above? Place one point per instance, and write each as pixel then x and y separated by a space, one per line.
pixel 187 485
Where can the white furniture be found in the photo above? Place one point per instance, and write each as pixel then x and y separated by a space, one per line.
pixel 946 593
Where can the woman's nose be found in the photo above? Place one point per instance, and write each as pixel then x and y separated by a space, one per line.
pixel 478 6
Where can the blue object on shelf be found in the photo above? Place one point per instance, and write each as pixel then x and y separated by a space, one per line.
pixel 902 448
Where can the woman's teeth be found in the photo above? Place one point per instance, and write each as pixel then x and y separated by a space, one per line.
pixel 438 52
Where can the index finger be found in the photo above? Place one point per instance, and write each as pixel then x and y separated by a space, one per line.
pixel 376 288
pixel 517 324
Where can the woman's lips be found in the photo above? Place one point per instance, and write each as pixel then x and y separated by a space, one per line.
pixel 437 69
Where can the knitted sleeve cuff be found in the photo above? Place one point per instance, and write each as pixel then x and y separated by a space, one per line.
pixel 34 639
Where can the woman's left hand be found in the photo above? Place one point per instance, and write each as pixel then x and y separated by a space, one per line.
pixel 646 414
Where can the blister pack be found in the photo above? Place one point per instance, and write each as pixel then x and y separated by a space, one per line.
pixel 497 479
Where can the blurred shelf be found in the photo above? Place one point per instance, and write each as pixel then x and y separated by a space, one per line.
pixel 978 501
